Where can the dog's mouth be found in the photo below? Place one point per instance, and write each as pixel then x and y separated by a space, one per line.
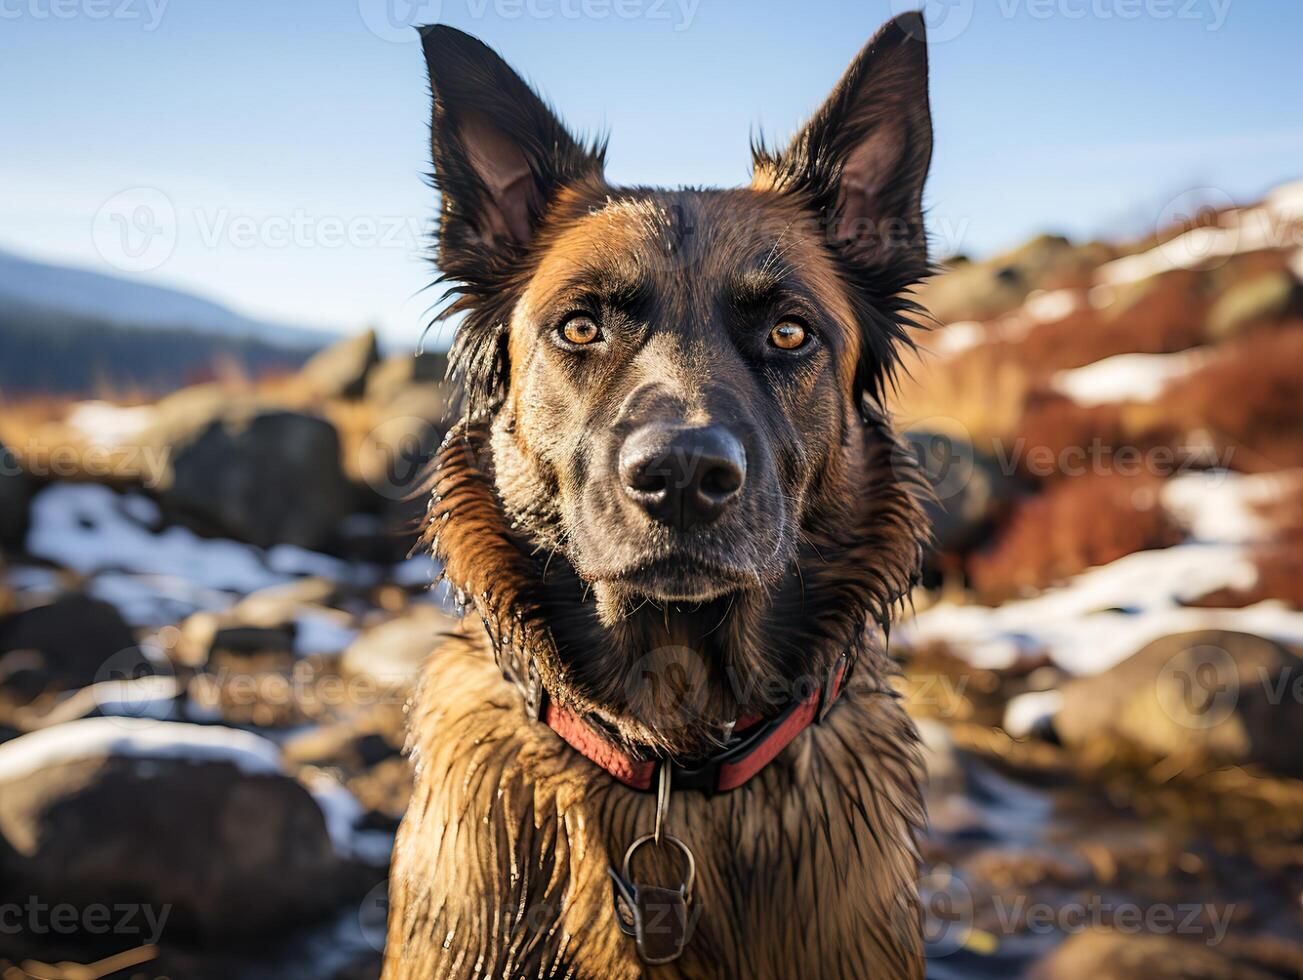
pixel 681 578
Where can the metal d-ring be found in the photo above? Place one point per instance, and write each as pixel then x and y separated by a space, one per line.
pixel 686 887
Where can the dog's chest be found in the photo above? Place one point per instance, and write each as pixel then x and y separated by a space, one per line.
pixel 501 868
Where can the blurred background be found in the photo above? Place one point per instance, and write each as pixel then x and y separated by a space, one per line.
pixel 219 381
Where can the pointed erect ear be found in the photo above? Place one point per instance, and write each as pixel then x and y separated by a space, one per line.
pixel 863 157
pixel 499 153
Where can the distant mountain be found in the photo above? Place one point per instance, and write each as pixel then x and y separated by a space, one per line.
pixel 128 302
pixel 54 352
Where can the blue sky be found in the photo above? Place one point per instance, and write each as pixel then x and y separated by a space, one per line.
pixel 280 145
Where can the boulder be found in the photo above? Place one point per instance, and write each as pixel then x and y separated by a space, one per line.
pixel 1262 299
pixel 1109 955
pixel 15 500
pixel 200 821
pixel 1211 697
pixel 68 644
pixel 270 477
pixel 392 653
pixel 400 373
pixel 987 289
pixel 288 619
pixel 341 370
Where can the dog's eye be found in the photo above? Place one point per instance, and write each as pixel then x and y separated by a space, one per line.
pixel 580 330
pixel 787 335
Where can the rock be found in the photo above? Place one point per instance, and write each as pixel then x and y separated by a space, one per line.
pixel 234 846
pixel 384 790
pixel 392 653
pixel 341 370
pixel 182 414
pixel 1212 697
pixel 1264 298
pixel 983 290
pixel 15 499
pixel 970 487
pixel 270 478
pixel 67 644
pixel 1109 955
pixel 340 744
pixel 403 372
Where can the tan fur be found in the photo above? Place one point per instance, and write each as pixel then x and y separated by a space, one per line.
pixel 806 871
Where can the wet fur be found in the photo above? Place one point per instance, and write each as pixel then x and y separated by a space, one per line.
pixel 500 868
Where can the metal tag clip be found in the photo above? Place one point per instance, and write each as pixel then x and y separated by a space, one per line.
pixel 660 920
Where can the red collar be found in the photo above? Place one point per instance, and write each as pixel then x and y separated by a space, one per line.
pixel 749 751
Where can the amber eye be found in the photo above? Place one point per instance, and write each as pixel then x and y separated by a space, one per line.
pixel 580 330
pixel 787 335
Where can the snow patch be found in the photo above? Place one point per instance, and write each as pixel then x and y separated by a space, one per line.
pixel 1024 713
pixel 1227 507
pixel 1052 306
pixel 1106 614
pixel 108 425
pixel 955 338
pixel 1273 224
pixel 161 576
pixel 154 698
pixel 1127 377
pixel 343 813
pixel 137 738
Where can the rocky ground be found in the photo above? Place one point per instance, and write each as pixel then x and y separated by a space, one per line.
pixel 209 627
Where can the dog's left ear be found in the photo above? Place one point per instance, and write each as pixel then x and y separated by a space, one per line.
pixel 863 157
pixel 500 158
pixel 499 153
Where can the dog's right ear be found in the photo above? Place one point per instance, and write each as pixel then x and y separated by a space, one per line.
pixel 499 153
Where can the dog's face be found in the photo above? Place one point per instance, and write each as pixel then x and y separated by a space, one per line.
pixel 673 376
pixel 680 371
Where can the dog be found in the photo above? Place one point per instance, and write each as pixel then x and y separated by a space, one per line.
pixel 676 503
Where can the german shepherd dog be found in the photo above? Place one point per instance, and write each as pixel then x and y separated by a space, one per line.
pixel 676 503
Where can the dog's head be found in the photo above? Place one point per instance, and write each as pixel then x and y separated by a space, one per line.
pixel 674 376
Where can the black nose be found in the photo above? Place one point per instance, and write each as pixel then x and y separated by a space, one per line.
pixel 683 476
